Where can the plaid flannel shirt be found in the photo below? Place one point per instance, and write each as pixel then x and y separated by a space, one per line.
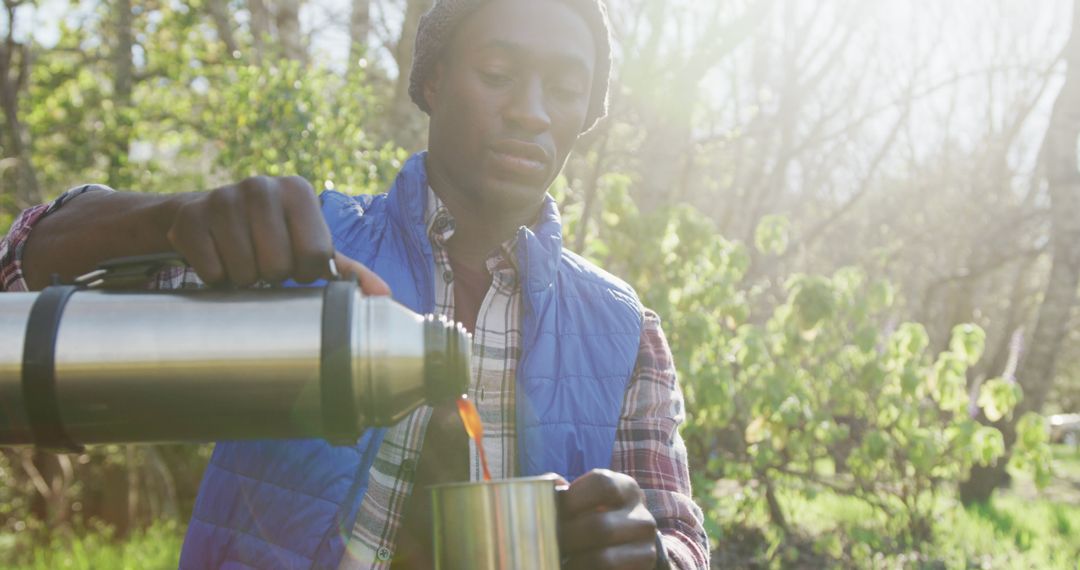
pixel 648 446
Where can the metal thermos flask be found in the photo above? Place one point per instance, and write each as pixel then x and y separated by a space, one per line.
pixel 79 366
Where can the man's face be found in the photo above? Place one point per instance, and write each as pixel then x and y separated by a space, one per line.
pixel 510 99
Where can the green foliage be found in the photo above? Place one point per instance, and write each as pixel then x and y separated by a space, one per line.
pixel 771 236
pixel 813 389
pixel 197 116
pixel 283 119
pixel 998 397
pixel 156 547
pixel 1032 451
pixel 1010 532
pixel 105 492
pixel 968 341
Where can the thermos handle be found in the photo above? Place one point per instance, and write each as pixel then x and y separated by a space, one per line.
pixel 133 271
pixel 129 272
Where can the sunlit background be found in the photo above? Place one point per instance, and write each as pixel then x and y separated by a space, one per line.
pixel 859 220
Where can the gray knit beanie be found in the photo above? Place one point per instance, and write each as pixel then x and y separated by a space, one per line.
pixel 437 27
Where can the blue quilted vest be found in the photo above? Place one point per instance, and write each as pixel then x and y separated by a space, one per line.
pixel 292 504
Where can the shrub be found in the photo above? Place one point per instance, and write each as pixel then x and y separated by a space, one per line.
pixel 809 383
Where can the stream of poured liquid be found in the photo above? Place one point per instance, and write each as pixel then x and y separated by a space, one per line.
pixel 471 418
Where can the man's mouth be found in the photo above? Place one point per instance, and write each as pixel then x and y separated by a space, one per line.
pixel 520 159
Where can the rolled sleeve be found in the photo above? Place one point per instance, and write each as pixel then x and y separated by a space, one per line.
pixel 648 447
pixel 13 244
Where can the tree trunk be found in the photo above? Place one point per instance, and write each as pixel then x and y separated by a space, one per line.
pixel 110 499
pixel 260 27
pixel 1036 370
pixel 219 13
pixel 123 69
pixel 408 126
pixel 776 510
pixel 134 484
pixel 169 508
pixel 359 29
pixel 287 19
pixel 665 150
pixel 592 189
pixel 14 74
pixel 664 99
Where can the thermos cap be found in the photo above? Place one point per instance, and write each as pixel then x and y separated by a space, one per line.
pixel 446 359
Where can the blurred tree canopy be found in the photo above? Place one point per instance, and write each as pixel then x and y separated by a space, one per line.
pixel 857 218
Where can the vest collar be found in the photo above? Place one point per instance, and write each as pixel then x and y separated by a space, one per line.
pixel 408 199
pixel 539 248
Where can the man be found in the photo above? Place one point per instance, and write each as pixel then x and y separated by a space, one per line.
pixel 570 374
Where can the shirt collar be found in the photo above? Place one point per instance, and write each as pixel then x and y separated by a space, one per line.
pixel 440 228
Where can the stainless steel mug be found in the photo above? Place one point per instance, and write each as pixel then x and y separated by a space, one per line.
pixel 80 366
pixel 496 525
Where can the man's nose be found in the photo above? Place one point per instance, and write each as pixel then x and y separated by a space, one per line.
pixel 528 109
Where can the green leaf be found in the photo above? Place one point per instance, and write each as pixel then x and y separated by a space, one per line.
pixel 881 296
pixel 771 235
pixel 909 341
pixel 1031 431
pixel 948 384
pixel 987 444
pixel 968 341
pixel 866 338
pixel 1032 449
pixel 998 397
pixel 813 302
pixel 875 445
pixel 756 430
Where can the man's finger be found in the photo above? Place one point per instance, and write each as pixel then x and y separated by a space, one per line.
pixel 232 238
pixel 193 242
pixel 640 555
pixel 370 283
pixel 559 480
pixel 269 235
pixel 599 489
pixel 312 247
pixel 602 529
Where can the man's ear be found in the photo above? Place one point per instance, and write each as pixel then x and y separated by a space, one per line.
pixel 431 86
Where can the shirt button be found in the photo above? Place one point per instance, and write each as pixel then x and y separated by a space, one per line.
pixel 383 554
pixel 408 466
pixel 448 276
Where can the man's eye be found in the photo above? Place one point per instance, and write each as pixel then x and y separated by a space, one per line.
pixel 496 78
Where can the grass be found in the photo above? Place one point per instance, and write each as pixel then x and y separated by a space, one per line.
pixel 1010 532
pixel 153 548
pixel 1022 527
